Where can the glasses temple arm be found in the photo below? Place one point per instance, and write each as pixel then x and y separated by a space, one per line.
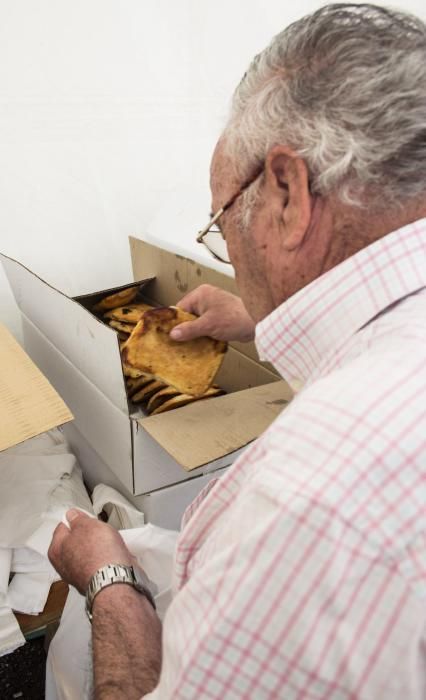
pixel 207 228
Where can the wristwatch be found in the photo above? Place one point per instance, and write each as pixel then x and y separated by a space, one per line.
pixel 116 573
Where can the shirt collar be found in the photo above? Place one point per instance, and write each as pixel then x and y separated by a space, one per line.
pixel 297 335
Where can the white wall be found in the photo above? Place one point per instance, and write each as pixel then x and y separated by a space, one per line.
pixel 109 110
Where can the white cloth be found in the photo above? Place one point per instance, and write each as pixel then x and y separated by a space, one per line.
pixel 39 480
pixel 121 514
pixel 69 662
pixel 11 636
pixel 28 592
pixel 27 482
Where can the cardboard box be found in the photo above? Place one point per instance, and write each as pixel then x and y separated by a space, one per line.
pixel 29 405
pixel 163 507
pixel 81 357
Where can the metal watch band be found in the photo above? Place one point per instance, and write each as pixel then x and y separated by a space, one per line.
pixel 115 573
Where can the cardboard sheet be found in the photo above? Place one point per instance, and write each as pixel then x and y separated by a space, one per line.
pixel 193 439
pixel 29 405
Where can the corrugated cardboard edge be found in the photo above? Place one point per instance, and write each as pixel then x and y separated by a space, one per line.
pixel 193 435
pixel 29 405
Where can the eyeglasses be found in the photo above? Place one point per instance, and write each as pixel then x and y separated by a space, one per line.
pixel 211 235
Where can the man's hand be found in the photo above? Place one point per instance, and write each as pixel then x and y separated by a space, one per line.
pixel 222 316
pixel 77 553
pixel 126 631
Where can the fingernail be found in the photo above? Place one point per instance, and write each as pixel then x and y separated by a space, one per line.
pixel 72 514
pixel 176 334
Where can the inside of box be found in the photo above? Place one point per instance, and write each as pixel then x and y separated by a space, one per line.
pixel 237 372
pixel 167 277
pixel 90 300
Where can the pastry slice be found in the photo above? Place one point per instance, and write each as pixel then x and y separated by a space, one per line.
pixel 128 314
pixel 131 371
pixel 147 391
pixel 160 397
pixel 135 384
pixel 126 296
pixel 123 327
pixel 185 399
pixel 188 366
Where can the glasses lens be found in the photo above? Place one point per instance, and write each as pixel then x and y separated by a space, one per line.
pixel 217 245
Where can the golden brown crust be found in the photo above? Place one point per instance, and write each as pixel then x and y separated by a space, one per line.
pixel 128 314
pixel 124 327
pixel 147 391
pixel 131 371
pixel 188 366
pixel 125 296
pixel 160 397
pixel 184 399
pixel 134 384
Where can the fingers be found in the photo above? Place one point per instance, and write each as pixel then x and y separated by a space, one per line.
pixel 62 532
pixel 222 316
pixel 76 517
pixel 196 301
pixel 188 330
pixel 185 302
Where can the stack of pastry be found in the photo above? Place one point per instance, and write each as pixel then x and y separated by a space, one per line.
pixel 161 373
pixel 159 397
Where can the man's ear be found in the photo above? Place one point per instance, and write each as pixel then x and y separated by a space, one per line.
pixel 287 182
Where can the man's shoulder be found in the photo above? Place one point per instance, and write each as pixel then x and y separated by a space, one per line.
pixel 381 355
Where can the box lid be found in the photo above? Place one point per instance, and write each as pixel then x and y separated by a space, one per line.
pixel 81 337
pixel 194 435
pixel 29 405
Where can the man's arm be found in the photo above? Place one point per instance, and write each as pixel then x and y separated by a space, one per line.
pixel 126 644
pixel 126 630
pixel 222 316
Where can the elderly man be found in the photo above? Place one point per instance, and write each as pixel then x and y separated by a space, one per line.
pixel 302 572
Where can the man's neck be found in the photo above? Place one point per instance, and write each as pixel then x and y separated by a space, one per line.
pixel 358 228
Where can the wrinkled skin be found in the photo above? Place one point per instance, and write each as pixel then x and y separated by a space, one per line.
pixel 222 316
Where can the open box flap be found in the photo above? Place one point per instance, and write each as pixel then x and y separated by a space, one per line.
pixel 81 337
pixel 194 434
pixel 29 405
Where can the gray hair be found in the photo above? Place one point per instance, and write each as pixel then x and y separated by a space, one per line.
pixel 345 87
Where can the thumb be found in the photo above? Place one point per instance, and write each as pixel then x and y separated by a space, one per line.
pixel 75 516
pixel 188 330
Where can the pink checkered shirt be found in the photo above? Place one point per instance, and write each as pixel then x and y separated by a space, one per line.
pixel 301 573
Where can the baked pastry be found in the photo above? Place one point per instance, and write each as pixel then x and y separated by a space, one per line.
pixel 125 296
pixel 184 399
pixel 128 314
pixel 188 366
